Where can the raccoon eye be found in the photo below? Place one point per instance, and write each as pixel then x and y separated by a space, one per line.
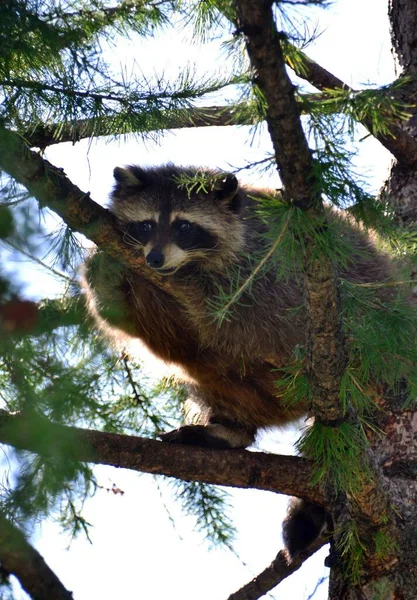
pixel 146 226
pixel 140 230
pixel 184 226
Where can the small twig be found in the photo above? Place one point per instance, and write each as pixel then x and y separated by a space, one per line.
pixel 138 397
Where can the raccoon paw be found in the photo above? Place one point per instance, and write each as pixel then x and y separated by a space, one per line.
pixel 195 435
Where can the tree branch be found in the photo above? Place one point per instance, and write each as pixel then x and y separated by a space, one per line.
pixel 42 136
pixel 326 348
pixel 19 558
pixel 280 568
pixel 236 468
pixel 401 144
pixel 52 188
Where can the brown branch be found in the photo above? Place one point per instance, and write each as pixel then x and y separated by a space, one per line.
pixel 401 144
pixel 280 568
pixel 42 136
pixel 236 468
pixel 292 153
pixel 19 558
pixel 326 348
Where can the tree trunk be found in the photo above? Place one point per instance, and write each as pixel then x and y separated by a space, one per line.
pixel 395 448
pixel 402 183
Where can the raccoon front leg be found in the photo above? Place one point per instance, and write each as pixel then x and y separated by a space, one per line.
pixel 104 281
pixel 216 434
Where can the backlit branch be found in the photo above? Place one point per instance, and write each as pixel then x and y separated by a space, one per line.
pixel 20 559
pixel 401 145
pixel 280 568
pixel 52 188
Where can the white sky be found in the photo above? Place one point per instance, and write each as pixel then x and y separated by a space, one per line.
pixel 136 552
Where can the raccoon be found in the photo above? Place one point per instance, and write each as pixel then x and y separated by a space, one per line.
pixel 195 240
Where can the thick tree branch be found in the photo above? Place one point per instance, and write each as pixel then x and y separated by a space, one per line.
pixel 280 568
pixel 236 468
pixel 19 558
pixel 403 19
pixel 52 188
pixel 326 348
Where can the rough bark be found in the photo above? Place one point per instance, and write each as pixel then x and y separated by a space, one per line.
pixel 403 19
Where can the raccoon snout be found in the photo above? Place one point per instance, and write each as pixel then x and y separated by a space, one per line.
pixel 155 259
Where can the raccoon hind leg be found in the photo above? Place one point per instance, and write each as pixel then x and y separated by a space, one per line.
pixel 215 434
pixel 304 523
pixel 206 424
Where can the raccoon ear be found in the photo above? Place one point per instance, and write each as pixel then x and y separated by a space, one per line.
pixel 131 176
pixel 226 190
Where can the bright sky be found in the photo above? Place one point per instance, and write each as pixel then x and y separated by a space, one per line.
pixel 136 552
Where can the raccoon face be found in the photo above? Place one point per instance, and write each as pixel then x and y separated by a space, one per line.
pixel 173 227
pixel 170 241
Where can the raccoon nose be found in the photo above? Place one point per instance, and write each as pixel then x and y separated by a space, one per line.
pixel 155 259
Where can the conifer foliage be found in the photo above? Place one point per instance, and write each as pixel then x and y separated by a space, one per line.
pixel 69 402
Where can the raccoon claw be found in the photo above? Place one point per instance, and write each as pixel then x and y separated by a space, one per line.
pixel 194 435
pixel 172 437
